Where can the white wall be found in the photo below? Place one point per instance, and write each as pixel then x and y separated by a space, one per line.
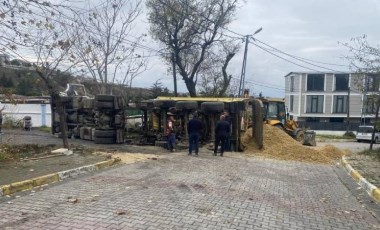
pixel 40 113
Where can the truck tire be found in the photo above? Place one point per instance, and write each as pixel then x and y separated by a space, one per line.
pixel 165 104
pixel 104 140
pixel 104 104
pixel 103 133
pixel 257 123
pixel 105 97
pixel 186 105
pixel 65 99
pixel 212 107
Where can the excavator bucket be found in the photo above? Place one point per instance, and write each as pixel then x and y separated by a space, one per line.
pixel 309 138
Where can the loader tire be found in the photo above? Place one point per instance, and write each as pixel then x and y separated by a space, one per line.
pixel 186 105
pixel 104 140
pixel 300 136
pixel 105 97
pixel 212 107
pixel 257 123
pixel 103 133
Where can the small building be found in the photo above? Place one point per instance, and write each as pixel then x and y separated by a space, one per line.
pixel 324 101
pixel 38 109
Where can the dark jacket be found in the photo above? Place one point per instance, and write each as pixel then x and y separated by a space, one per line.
pixel 222 128
pixel 194 125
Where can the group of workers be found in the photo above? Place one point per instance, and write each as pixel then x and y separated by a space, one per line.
pixel 194 129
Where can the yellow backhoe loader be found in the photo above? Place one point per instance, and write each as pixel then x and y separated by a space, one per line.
pixel 275 115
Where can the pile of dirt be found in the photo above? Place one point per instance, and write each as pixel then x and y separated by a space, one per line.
pixel 279 145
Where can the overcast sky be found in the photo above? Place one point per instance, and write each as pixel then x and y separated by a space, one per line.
pixel 309 29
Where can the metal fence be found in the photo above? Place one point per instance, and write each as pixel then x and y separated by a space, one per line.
pixel 333 126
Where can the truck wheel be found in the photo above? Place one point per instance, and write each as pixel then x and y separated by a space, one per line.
pixel 102 133
pixel 166 104
pixel 104 140
pixel 65 99
pixel 300 136
pixel 257 123
pixel 105 97
pixel 212 107
pixel 104 104
pixel 186 105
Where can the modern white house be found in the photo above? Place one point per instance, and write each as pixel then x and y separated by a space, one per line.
pixel 324 101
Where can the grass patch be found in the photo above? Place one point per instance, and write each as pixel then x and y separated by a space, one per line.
pixel 44 129
pixel 15 152
pixel 375 153
pixel 325 136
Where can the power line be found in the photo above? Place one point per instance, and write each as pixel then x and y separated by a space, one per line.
pixel 266 50
pixel 297 58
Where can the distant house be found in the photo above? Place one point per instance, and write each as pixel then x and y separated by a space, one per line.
pixel 323 101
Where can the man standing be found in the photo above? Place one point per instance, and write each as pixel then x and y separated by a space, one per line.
pixel 170 132
pixel 221 131
pixel 194 128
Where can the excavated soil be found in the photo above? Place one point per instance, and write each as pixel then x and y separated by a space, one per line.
pixel 279 145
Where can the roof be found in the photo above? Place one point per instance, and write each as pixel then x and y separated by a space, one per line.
pixel 316 72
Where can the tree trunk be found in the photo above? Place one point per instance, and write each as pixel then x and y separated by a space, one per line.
pixel 190 85
pixel 60 110
pixel 374 125
pixel 62 120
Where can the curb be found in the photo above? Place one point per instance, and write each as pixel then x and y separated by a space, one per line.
pixel 55 177
pixel 372 190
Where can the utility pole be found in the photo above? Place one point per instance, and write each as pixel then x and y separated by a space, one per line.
pixel 242 76
pixel 348 110
pixel 174 75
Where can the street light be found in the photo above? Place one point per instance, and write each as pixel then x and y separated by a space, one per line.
pixel 242 76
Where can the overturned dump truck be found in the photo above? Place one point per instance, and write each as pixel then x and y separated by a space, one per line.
pixel 106 119
pixel 100 119
pixel 243 112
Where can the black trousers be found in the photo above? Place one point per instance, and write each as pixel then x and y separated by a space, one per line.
pixel 222 141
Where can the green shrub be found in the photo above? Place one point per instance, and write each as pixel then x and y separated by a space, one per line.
pixel 11 122
pixel 349 134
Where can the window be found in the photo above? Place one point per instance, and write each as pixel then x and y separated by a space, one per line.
pixel 341 82
pixel 372 83
pixel 314 104
pixel 336 119
pixel 291 103
pixel 340 104
pixel 292 84
pixel 370 106
pixel 315 82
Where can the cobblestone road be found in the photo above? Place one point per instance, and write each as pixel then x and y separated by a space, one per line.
pixel 181 192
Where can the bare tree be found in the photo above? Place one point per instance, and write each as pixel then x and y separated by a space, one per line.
pixel 191 30
pixel 40 36
pixel 365 60
pixel 105 45
pixel 214 79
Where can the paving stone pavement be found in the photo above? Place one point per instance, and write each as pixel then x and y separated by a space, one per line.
pixel 181 192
